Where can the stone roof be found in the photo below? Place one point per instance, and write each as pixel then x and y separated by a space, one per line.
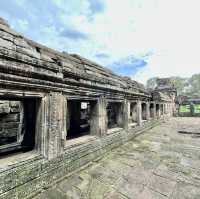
pixel 165 84
pixel 159 96
pixel 40 59
pixel 4 22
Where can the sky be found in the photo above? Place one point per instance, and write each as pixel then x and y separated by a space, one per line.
pixel 136 38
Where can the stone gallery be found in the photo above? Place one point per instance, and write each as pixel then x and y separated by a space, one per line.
pixel 59 111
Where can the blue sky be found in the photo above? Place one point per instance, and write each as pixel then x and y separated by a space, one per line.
pixel 136 38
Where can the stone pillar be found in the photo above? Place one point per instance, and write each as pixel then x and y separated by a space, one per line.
pixel 54 124
pixel 147 111
pixel 139 113
pixel 168 112
pixel 129 111
pixel 126 114
pixel 99 118
pixel 41 128
pixel 161 109
pixel 154 110
pixel 171 109
pixel 65 120
pixel 165 108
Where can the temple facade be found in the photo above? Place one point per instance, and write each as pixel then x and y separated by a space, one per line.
pixel 60 111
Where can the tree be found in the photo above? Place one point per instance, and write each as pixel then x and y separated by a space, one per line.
pixel 185 86
pixel 194 83
pixel 180 84
pixel 151 83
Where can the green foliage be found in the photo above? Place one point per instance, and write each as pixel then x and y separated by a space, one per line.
pixel 151 83
pixel 185 86
pixel 179 83
pixel 184 109
pixel 196 108
pixel 194 82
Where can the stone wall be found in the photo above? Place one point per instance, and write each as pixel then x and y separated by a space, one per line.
pixel 46 81
pixel 11 116
pixel 30 177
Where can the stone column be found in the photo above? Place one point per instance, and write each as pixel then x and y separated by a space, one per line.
pixel 139 113
pixel 164 105
pixel 168 109
pixel 171 109
pixel 161 109
pixel 98 124
pixel 55 124
pixel 165 108
pixel 154 109
pixel 126 114
pixel 129 111
pixel 41 127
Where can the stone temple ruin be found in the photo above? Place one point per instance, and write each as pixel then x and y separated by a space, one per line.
pixel 59 111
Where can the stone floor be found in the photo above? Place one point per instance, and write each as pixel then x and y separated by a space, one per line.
pixel 158 164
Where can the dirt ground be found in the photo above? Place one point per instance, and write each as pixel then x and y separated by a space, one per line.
pixel 158 164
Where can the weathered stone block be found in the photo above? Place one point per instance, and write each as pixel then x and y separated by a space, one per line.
pixel 12 117
pixel 4 108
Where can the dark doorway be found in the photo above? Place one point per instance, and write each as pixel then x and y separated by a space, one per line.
pixel 157 110
pixel 133 112
pixel 29 127
pixel 151 110
pixel 114 115
pixel 144 111
pixel 79 117
pixel 18 125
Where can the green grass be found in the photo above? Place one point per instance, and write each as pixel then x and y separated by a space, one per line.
pixel 196 108
pixel 184 109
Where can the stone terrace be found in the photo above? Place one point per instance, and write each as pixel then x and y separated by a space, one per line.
pixel 158 164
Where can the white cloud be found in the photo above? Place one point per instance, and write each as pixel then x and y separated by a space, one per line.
pixel 175 37
pixel 167 29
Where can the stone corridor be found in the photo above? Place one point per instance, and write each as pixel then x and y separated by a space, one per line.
pixel 160 163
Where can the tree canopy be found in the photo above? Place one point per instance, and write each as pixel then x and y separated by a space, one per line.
pixel 185 86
